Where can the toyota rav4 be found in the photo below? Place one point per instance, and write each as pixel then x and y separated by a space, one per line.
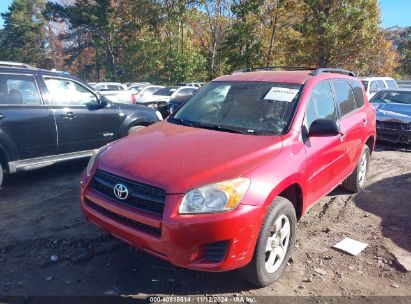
pixel 220 184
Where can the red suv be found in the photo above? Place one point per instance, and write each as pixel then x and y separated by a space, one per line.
pixel 220 184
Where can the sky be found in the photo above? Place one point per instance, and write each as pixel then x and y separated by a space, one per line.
pixel 394 12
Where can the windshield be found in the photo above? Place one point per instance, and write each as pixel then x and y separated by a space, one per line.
pixel 258 108
pixel 392 97
pixel 165 92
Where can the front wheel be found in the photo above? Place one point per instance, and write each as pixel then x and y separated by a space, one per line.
pixel 357 180
pixel 274 245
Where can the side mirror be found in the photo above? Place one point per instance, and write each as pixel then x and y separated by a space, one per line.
pixel 102 101
pixel 324 127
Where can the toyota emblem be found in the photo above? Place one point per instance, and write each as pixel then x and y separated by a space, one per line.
pixel 121 191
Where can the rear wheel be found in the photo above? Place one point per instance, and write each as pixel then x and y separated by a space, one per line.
pixel 274 244
pixel 357 180
pixel 135 129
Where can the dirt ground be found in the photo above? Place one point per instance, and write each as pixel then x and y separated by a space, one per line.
pixel 48 248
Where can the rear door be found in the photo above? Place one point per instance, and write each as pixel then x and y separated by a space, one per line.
pixel 353 120
pixel 82 124
pixel 326 158
pixel 26 124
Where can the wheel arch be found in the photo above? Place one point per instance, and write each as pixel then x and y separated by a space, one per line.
pixel 292 189
pixel 370 142
pixel 4 159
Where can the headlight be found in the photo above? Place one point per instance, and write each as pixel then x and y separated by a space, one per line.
pixel 94 156
pixel 159 116
pixel 217 197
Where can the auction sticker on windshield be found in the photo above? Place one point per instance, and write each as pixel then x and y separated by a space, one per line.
pixel 281 94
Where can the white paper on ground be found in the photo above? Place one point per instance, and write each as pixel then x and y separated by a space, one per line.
pixel 281 94
pixel 350 246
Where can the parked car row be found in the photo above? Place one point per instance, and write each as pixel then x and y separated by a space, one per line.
pixel 144 93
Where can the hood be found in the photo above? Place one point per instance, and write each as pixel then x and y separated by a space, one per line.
pixel 394 112
pixel 178 158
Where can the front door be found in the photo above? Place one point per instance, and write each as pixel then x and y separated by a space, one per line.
pixel 325 155
pixel 26 124
pixel 82 122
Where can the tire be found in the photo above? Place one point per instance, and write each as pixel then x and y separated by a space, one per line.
pixel 135 129
pixel 358 178
pixel 259 271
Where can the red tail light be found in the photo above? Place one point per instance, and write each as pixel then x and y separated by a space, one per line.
pixel 133 99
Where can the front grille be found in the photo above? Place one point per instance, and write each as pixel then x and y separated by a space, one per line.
pixel 141 196
pixel 124 220
pixel 215 252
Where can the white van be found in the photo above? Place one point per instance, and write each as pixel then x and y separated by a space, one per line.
pixel 374 84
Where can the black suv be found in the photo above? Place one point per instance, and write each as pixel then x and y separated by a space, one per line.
pixel 46 117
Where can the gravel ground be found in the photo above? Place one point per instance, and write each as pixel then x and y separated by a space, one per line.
pixel 48 248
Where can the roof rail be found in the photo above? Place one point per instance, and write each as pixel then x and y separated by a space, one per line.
pixel 271 68
pixel 16 64
pixel 333 70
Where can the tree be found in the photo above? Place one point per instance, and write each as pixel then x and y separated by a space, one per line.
pixel 23 36
pixel 334 32
pixel 243 43
pixel 401 39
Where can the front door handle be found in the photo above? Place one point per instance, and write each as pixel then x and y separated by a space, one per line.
pixel 69 115
pixel 364 122
pixel 2 116
pixel 342 136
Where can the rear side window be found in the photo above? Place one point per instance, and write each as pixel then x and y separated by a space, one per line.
pixel 19 89
pixel 345 97
pixel 321 104
pixel 391 84
pixel 359 96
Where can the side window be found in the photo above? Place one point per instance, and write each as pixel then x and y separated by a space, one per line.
pixel 112 87
pixel 345 97
pixel 381 84
pixel 65 92
pixel 359 96
pixel 321 104
pixel 19 89
pixel 151 90
pixel 374 86
pixel 186 92
pixel 391 84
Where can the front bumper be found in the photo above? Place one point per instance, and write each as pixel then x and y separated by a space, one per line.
pixel 393 132
pixel 183 240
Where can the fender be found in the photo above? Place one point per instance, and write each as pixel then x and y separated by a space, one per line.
pixel 144 116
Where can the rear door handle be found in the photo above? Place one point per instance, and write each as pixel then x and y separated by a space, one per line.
pixel 364 122
pixel 2 116
pixel 342 136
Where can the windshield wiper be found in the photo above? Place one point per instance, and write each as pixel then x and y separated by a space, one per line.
pixel 222 128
